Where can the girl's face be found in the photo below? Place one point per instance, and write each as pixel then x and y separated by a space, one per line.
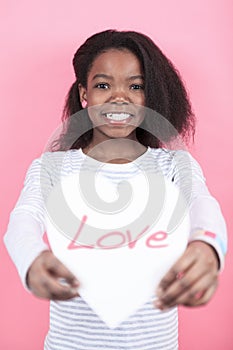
pixel 115 85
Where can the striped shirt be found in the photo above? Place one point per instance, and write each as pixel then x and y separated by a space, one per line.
pixel 73 324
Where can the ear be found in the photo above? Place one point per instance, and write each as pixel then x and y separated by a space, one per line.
pixel 82 95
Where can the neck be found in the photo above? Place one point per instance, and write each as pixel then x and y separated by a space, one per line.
pixel 118 151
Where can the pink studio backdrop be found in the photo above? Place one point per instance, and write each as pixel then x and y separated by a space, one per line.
pixel 38 40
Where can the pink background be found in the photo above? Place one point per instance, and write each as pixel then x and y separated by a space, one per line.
pixel 38 40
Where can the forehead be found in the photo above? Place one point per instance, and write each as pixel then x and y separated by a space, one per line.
pixel 116 60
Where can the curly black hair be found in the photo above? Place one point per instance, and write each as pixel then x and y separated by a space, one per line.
pixel 164 90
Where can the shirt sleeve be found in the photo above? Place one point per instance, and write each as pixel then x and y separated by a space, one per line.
pixel 206 219
pixel 24 236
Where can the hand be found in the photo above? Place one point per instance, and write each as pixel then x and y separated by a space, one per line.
pixel 192 280
pixel 45 276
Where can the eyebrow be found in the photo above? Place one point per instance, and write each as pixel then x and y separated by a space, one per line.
pixel 133 77
pixel 105 76
pixel 110 77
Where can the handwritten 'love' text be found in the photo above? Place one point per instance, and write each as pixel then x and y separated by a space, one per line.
pixel 154 240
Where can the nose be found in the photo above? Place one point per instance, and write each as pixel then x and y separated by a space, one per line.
pixel 119 95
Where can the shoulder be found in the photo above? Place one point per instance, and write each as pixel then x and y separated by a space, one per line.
pixel 176 160
pixel 59 157
pixel 54 162
pixel 172 155
pixel 164 155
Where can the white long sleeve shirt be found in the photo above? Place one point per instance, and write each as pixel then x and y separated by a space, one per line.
pixel 73 325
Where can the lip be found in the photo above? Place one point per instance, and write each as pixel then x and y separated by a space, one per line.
pixel 131 113
pixel 126 109
pixel 117 122
pixel 117 112
pixel 104 114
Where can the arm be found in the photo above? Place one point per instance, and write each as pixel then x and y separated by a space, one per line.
pixel 193 279
pixel 38 268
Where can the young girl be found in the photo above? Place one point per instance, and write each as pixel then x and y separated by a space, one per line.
pixel 119 75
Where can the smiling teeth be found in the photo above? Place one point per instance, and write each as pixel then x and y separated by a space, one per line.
pixel 117 116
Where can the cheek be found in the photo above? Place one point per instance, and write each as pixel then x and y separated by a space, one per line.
pixel 142 118
pixel 94 111
pixel 139 99
pixel 97 97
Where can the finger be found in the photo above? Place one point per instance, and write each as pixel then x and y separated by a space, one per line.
pixel 176 272
pixel 185 281
pixel 45 278
pixel 196 252
pixel 59 270
pixel 195 294
pixel 49 287
pixel 201 297
pixel 61 291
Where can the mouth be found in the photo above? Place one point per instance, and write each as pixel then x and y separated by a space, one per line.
pixel 118 116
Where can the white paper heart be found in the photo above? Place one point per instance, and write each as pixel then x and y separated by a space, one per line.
pixel 118 280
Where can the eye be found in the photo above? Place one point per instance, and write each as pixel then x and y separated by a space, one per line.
pixel 137 87
pixel 102 86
